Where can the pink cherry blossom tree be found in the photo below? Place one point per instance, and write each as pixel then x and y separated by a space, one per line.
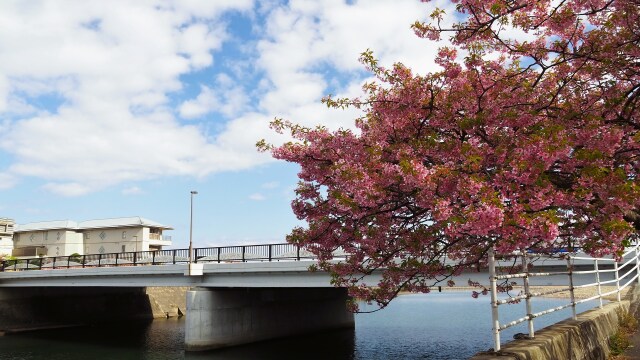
pixel 535 146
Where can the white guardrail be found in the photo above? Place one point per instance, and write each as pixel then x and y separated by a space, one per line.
pixel 629 262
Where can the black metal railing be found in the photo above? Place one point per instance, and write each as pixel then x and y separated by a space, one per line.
pixel 221 254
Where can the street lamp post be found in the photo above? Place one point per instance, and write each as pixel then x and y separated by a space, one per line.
pixel 191 228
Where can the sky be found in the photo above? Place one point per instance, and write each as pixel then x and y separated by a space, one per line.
pixel 121 108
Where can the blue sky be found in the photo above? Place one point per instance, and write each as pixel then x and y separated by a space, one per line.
pixel 121 108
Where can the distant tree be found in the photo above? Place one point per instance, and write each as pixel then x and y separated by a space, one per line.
pixel 535 146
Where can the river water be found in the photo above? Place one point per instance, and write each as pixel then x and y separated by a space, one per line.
pixel 448 326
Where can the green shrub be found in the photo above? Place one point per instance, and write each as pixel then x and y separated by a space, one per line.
pixel 75 257
pixel 619 341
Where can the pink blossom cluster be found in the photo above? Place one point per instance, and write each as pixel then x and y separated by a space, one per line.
pixel 536 148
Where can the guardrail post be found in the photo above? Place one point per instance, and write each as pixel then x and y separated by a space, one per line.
pixel 595 265
pixel 572 294
pixel 637 261
pixel 615 266
pixel 525 269
pixel 495 321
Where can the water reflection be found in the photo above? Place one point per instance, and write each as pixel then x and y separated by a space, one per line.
pixel 443 326
pixel 337 345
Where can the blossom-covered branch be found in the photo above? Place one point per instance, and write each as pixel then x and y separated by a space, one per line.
pixel 536 146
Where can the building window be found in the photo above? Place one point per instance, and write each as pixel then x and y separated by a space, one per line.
pixel 124 248
pixel 124 234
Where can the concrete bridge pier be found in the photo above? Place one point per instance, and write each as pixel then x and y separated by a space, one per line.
pixel 222 317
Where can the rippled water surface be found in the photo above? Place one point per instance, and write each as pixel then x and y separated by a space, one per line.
pixel 435 326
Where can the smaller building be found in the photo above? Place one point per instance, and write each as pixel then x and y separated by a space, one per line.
pixel 63 238
pixel 6 236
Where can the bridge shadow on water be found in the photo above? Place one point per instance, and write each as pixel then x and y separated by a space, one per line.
pixel 163 340
pixel 338 344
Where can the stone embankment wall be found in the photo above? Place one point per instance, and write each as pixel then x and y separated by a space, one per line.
pixel 167 301
pixel 583 339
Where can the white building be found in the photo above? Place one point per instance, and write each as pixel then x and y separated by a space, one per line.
pixel 6 236
pixel 63 238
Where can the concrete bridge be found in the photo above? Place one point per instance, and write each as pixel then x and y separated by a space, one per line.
pixel 237 294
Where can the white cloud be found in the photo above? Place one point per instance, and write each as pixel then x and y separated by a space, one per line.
pixel 7 181
pixel 257 197
pixel 68 189
pixel 306 38
pixel 226 98
pixel 270 185
pixel 133 190
pixel 115 67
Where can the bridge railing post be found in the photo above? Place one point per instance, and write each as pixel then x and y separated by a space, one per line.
pixel 244 248
pixel 135 258
pixel 4 263
pixel 153 258
pixel 270 252
pixel 298 252
pixel 84 258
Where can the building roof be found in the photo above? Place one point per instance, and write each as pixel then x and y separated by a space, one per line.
pixel 46 225
pixel 135 221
